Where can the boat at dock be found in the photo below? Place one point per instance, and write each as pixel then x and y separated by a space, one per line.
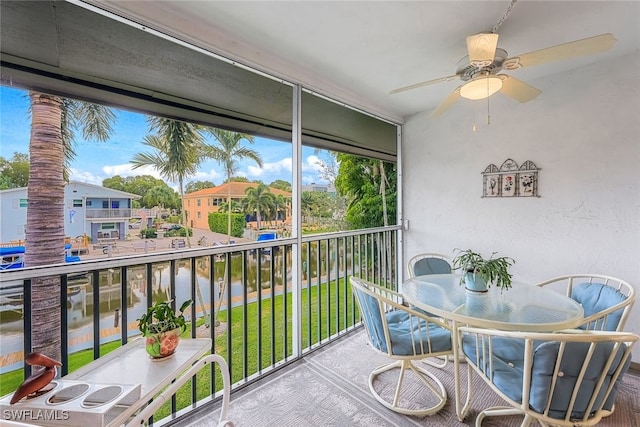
pixel 12 257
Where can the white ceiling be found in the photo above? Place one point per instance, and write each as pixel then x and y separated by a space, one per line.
pixel 359 51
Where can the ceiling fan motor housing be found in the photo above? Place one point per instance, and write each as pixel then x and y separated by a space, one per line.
pixel 466 71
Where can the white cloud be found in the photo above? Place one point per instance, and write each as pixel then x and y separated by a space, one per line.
pixel 212 176
pixel 312 164
pixel 127 170
pixel 84 176
pixel 275 168
pixel 110 171
pixel 281 169
pixel 312 171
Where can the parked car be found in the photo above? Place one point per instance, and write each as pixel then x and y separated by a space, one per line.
pixel 135 224
pixel 169 227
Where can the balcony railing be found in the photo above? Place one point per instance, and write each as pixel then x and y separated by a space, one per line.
pixel 123 213
pixel 109 213
pixel 262 304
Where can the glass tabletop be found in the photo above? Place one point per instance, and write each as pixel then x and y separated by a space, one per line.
pixel 521 308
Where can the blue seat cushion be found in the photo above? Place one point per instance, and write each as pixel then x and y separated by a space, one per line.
pixel 411 335
pixel 542 375
pixel 595 297
pixel 508 360
pixel 405 331
pixel 370 312
pixel 431 266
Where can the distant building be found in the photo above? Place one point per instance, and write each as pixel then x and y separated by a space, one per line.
pixel 200 203
pixel 93 210
pixel 321 188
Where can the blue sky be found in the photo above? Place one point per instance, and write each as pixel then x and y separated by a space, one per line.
pixel 96 161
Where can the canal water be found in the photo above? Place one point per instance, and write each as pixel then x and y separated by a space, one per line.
pixel 80 300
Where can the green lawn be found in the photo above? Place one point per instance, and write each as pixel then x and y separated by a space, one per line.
pixel 320 305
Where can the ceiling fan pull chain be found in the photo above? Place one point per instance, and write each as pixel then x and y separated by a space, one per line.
pixel 488 112
pixel 495 28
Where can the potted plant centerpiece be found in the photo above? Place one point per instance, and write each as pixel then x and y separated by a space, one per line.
pixel 161 326
pixel 479 273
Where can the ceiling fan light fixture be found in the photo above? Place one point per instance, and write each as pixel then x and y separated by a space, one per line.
pixel 481 87
pixel 482 49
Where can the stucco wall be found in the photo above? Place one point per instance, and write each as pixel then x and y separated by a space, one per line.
pixel 583 131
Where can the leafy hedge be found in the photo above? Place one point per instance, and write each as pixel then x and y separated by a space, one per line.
pixel 148 233
pixel 181 232
pixel 152 233
pixel 218 223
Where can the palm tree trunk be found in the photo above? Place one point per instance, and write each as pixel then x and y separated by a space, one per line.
pixel 184 213
pixel 221 293
pixel 228 208
pixel 45 227
pixel 383 192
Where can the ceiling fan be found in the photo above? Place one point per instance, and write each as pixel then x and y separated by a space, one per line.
pixel 479 70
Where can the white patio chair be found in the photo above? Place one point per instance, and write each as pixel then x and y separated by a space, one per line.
pixel 405 335
pixel 425 264
pixel 606 300
pixel 429 263
pixel 567 378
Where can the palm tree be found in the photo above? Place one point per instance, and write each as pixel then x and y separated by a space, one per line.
pixel 280 201
pixel 306 204
pixel 178 148
pixel 259 199
pixel 228 152
pixel 383 189
pixel 177 152
pixel 53 120
pixel 236 207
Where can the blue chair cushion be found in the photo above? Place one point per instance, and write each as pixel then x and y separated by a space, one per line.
pixel 370 311
pixel 407 332
pixel 595 297
pixel 431 266
pixel 508 362
pixel 508 359
pixel 544 360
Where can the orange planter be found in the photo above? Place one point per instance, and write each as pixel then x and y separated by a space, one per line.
pixel 162 344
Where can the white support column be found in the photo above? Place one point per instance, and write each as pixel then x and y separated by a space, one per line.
pixel 296 221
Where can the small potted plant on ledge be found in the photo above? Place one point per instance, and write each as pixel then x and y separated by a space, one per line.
pixel 162 327
pixel 479 273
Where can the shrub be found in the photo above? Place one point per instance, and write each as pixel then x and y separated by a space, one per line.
pixel 218 223
pixel 181 232
pixel 148 233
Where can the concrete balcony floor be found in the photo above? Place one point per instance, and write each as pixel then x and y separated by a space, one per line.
pixel 330 388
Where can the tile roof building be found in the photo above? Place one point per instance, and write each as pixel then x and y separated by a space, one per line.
pixel 200 203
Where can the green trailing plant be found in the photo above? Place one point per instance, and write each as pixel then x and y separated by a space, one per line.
pixel 160 317
pixel 492 270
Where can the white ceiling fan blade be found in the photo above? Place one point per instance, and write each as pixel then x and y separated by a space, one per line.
pixel 568 50
pixel 448 102
pixel 428 82
pixel 482 49
pixel 517 89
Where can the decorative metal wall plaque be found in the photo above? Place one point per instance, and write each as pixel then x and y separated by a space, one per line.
pixel 510 180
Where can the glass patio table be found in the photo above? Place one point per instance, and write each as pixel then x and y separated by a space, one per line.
pixel 521 308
